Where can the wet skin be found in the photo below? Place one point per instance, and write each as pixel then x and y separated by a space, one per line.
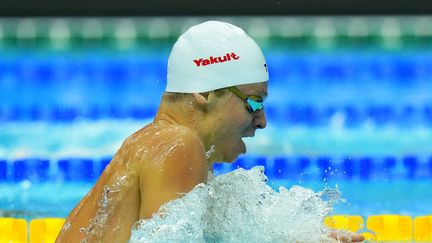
pixel 165 159
pixel 162 160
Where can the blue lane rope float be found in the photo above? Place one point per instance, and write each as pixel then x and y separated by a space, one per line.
pixel 292 114
pixel 293 167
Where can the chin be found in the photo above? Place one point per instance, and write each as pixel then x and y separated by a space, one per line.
pixel 234 152
pixel 231 157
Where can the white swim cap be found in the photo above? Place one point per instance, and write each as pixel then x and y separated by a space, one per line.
pixel 214 55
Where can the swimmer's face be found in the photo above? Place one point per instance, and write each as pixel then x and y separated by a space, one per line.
pixel 236 122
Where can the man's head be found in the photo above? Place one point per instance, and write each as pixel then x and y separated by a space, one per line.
pixel 232 119
pixel 214 55
pixel 223 73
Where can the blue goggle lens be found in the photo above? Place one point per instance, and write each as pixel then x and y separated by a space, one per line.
pixel 254 104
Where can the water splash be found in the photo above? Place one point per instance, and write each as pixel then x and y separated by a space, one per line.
pixel 238 207
pixel 210 151
pixel 97 224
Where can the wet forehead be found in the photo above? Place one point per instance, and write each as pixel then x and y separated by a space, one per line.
pixel 259 89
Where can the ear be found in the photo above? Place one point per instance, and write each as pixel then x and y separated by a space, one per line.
pixel 201 98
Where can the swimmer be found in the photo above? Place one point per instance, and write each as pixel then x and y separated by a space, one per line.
pixel 216 84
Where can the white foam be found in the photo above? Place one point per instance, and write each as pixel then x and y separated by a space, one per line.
pixel 238 207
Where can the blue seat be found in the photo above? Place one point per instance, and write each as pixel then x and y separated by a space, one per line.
pixel 77 169
pixel 33 169
pixel 411 164
pixel 3 170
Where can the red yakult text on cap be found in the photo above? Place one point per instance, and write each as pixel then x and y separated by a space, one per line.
pixel 212 60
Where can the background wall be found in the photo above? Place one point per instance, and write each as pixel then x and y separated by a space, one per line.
pixel 206 7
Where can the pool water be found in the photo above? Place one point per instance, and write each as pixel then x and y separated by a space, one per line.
pixel 40 200
pixel 354 115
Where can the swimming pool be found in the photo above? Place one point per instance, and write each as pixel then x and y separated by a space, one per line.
pixel 37 176
pixel 348 111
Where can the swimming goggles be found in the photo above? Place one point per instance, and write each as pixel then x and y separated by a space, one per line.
pixel 253 103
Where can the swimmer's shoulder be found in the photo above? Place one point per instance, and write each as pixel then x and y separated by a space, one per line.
pixel 180 161
pixel 179 165
pixel 155 137
pixel 174 134
pixel 154 131
pixel 182 133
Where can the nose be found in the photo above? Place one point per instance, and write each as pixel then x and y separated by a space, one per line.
pixel 260 120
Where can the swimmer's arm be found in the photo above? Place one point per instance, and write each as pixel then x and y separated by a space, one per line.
pixel 181 170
